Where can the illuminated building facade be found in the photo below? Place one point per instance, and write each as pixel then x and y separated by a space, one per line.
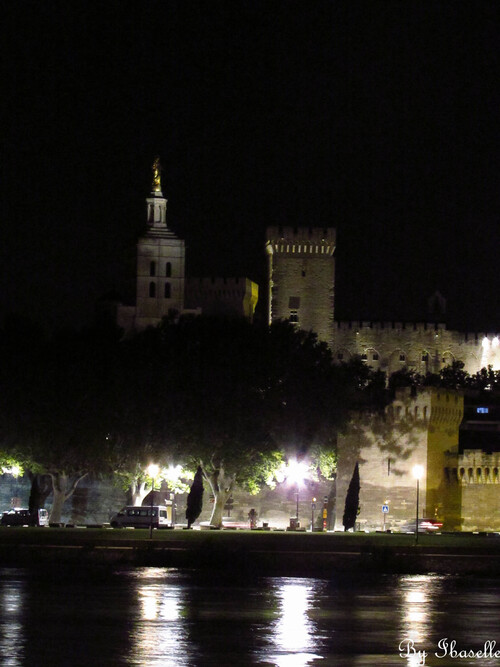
pixel 301 289
pixel 424 428
pixel 233 297
pixel 161 287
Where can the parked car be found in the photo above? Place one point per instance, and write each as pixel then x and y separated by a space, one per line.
pixel 19 516
pixel 141 517
pixel 424 526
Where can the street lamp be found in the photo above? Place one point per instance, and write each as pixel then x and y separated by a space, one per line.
pixel 295 474
pixel 153 471
pixel 418 473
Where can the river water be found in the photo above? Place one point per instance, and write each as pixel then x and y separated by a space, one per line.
pixel 169 618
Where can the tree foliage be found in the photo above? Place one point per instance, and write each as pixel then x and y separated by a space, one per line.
pixel 246 395
pixel 55 406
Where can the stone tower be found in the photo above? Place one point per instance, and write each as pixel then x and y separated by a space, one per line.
pixel 160 262
pixel 301 277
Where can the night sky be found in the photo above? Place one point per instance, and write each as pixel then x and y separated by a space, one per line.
pixel 378 118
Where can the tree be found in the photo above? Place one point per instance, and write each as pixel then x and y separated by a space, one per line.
pixel 245 395
pixel 352 501
pixel 195 498
pixel 56 408
pixel 323 459
pixel 406 377
pixel 485 380
pixel 139 423
pixel 454 376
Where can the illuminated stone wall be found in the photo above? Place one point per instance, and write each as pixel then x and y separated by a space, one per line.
pixel 301 270
pixel 423 347
pixel 160 278
pixel 419 428
pixel 301 277
pixel 222 296
pixel 478 475
pixel 444 496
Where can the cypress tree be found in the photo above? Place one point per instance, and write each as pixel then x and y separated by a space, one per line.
pixel 352 501
pixel 195 498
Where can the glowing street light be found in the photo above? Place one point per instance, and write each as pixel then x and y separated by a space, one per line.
pixel 152 470
pixel 296 472
pixel 418 473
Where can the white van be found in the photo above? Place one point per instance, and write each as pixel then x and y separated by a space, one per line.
pixel 159 516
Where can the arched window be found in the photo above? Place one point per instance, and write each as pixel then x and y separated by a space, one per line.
pixel 168 269
pixel 167 290
pixel 152 289
pixel 152 268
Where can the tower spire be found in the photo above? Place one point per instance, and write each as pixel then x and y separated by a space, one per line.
pixel 156 202
pixel 156 187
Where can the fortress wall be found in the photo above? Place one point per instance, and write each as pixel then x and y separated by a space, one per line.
pixel 480 485
pixel 386 449
pixel 422 347
pixel 416 429
pixel 478 475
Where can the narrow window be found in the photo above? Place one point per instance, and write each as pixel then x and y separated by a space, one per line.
pixel 152 268
pixel 425 357
pixel 294 316
pixel 375 357
pixel 168 269
pixel 167 290
pixel 364 357
pixel 402 357
pixel 152 289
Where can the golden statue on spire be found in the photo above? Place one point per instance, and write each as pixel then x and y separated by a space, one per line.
pixel 157 175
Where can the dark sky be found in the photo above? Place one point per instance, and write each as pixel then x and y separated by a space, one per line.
pixel 378 118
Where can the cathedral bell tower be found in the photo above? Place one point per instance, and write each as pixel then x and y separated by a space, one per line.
pixel 160 262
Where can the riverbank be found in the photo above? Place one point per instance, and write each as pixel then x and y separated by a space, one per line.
pixel 254 552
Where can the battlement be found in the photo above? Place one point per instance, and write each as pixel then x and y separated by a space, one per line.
pixel 357 325
pixel 221 285
pixel 223 296
pixel 317 240
pixel 488 341
pixel 477 467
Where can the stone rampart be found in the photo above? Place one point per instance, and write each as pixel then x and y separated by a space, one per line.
pixel 423 347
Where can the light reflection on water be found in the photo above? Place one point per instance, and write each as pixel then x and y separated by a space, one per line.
pixel 154 616
pixel 293 631
pixel 158 634
pixel 11 629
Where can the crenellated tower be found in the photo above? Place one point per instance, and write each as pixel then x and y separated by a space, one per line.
pixel 301 267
